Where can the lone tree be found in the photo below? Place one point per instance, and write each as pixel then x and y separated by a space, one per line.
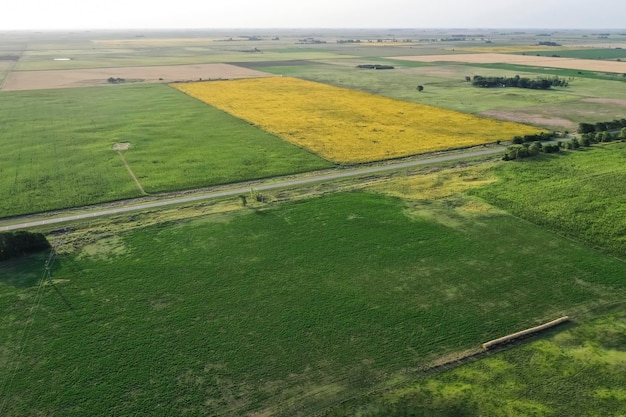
pixel 420 88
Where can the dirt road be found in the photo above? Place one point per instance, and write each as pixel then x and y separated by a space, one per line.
pixel 25 222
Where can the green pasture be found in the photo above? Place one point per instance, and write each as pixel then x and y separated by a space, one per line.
pixel 573 372
pixel 587 53
pixel 444 85
pixel 580 194
pixel 560 72
pixel 287 310
pixel 57 146
pixel 129 56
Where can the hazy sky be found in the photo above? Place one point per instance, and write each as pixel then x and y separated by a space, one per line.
pixel 104 14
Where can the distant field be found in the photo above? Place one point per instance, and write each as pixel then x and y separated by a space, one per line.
pixel 537 61
pixel 587 53
pixel 40 80
pixel 520 49
pixel 580 194
pixel 57 146
pixel 282 311
pixel 347 126
pixel 445 86
pixel 151 57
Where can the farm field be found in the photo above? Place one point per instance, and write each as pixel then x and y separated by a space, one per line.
pixel 43 51
pixel 536 61
pixel 586 53
pixel 347 126
pixel 580 194
pixel 337 298
pixel 286 310
pixel 445 86
pixel 576 372
pixel 58 146
pixel 40 80
pixel 84 60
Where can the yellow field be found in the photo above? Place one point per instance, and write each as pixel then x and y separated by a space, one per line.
pixel 347 126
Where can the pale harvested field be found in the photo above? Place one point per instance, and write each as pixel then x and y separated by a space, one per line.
pixel 534 119
pixel 615 101
pixel 535 61
pixel 39 80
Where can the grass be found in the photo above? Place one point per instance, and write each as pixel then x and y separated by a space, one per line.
pixel 286 310
pixel 57 146
pixel 586 53
pixel 579 194
pixel 577 372
pixel 133 58
pixel 584 74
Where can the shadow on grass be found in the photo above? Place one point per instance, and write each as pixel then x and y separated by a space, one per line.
pixel 25 271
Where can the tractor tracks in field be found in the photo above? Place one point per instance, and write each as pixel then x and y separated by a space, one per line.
pixel 132 174
pixel 243 188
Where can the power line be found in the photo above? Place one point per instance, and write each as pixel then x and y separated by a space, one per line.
pixel 21 346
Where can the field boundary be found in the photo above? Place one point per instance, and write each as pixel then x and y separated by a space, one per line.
pixel 91 77
pixel 227 190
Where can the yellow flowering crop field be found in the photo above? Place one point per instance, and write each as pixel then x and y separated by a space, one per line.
pixel 347 126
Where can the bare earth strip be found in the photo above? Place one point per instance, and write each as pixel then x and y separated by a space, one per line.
pixel 533 119
pixel 39 80
pixel 535 61
pixel 615 101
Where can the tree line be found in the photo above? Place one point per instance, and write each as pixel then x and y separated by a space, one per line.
pixel 527 146
pixel 14 244
pixel 613 125
pixel 517 82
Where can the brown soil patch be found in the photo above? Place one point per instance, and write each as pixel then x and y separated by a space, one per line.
pixel 606 101
pixel 535 61
pixel 122 146
pixel 39 80
pixel 532 119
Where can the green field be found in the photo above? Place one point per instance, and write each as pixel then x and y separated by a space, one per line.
pixel 57 146
pixel 336 299
pixel 588 53
pixel 289 309
pixel 565 73
pixel 577 372
pixel 581 194
pixel 146 57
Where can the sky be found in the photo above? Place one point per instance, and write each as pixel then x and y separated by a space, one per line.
pixel 180 14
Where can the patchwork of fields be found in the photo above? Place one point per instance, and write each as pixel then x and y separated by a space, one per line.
pixel 41 80
pixel 58 146
pixel 537 61
pixel 337 299
pixel 347 126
